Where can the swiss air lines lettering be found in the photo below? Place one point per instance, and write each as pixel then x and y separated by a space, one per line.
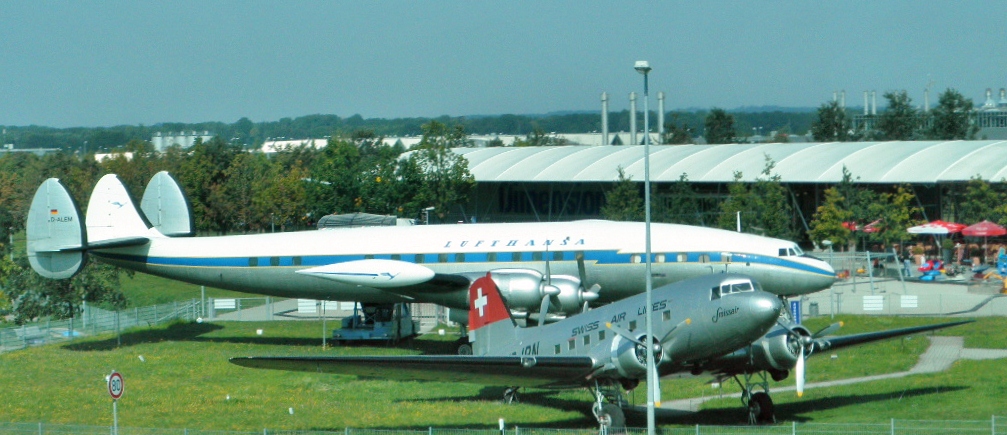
pixel 512 243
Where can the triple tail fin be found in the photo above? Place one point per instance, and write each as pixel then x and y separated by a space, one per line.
pixel 113 219
pixel 55 232
pixel 166 207
pixel 491 328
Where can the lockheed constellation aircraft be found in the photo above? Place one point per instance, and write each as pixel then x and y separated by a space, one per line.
pixel 589 262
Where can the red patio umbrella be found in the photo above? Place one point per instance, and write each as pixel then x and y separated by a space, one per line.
pixel 936 227
pixel 984 229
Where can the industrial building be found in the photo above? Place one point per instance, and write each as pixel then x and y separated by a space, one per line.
pixel 569 182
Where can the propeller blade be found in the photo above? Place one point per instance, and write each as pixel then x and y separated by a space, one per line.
pixel 799 373
pixel 624 333
pixel 657 387
pixel 667 335
pixel 543 309
pixel 828 330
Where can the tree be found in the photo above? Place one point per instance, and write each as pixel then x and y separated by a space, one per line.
pixel 952 118
pixel 739 200
pixel 901 120
pixel 832 124
pixel 623 201
pixel 895 213
pixel 681 204
pixel 32 297
pixel 980 201
pixel 443 177
pixel 827 223
pixel 719 127
pixel 764 206
pixel 677 133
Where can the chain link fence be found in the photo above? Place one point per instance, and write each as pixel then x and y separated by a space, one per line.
pixel 95 321
pixel 996 425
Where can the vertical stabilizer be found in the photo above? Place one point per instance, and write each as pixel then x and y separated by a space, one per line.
pixel 111 213
pixel 56 236
pixel 166 207
pixel 491 329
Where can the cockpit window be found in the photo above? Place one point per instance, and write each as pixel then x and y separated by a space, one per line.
pixel 715 293
pixel 793 251
pixel 783 252
pixel 798 250
pixel 730 287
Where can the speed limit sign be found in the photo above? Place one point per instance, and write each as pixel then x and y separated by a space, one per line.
pixel 115 385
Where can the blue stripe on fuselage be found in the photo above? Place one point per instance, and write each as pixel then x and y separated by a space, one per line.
pixel 611 257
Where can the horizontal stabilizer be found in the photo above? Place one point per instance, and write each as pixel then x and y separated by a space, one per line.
pixel 377 273
pixel 119 243
pixel 527 371
pixel 55 232
pixel 112 215
pixel 166 207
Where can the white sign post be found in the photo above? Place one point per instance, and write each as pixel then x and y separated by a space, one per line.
pixel 115 389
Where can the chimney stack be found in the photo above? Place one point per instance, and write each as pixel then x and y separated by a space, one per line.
pixel 604 119
pixel 632 119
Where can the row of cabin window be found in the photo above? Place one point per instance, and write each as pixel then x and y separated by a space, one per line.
pixel 571 344
pixel 514 256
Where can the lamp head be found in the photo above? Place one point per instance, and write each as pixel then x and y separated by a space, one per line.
pixel 642 67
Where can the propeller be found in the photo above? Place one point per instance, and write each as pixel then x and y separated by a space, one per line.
pixel 641 352
pixel 805 345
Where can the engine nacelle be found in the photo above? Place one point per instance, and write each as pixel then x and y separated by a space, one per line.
pixel 523 290
pixel 630 359
pixel 777 351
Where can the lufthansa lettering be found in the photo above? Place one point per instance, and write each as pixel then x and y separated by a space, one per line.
pixel 512 243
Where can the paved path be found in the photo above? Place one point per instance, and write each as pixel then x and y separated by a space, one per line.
pixel 942 353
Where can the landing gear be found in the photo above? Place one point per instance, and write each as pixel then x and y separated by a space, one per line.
pixel 760 409
pixel 760 405
pixel 464 347
pixel 611 419
pixel 511 395
pixel 608 407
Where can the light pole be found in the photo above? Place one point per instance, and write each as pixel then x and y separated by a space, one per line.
pixel 643 67
pixel 426 215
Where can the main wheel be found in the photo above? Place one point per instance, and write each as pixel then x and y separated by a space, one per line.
pixel 611 418
pixel 465 349
pixel 511 395
pixel 760 409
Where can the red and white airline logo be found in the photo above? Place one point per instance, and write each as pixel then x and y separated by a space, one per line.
pixel 485 304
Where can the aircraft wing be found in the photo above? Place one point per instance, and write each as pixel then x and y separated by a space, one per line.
pixel 527 371
pixel 838 342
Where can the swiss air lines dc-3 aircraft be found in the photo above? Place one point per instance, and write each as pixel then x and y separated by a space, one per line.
pixel 723 324
pixel 602 349
pixel 557 268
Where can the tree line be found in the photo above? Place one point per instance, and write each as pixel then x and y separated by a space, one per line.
pixel 951 119
pixel 249 134
pixel 232 191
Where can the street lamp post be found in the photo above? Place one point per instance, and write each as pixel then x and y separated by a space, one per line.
pixel 643 67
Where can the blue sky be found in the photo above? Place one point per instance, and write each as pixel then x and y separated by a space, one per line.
pixel 109 63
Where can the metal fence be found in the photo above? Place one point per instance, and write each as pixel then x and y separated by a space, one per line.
pixel 95 321
pixel 994 426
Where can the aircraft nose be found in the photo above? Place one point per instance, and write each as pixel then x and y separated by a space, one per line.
pixel 766 307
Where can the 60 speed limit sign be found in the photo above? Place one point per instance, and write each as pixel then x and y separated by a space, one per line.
pixel 115 385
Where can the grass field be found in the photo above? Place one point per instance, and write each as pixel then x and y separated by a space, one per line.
pixel 184 380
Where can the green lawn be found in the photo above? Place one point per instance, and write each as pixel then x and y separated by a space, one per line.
pixel 184 380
